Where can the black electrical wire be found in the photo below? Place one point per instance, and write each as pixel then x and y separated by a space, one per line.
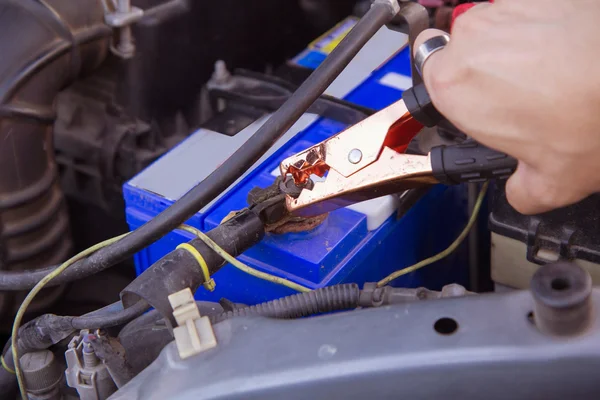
pixel 109 319
pixel 145 336
pixel 219 180
pixel 48 329
pixel 323 300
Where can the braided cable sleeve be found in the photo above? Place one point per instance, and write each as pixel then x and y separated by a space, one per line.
pixel 327 299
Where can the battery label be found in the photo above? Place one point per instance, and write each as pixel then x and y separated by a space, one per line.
pixel 330 39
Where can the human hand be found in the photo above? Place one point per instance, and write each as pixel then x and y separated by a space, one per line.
pixel 523 77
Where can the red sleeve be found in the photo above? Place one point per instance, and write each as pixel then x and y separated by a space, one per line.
pixel 461 9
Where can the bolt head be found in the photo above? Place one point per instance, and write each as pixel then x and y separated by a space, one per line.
pixel 355 156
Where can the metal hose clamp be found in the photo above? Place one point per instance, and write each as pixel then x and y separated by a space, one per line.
pixel 425 50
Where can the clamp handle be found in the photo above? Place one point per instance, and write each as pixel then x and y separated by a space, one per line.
pixel 466 162
pixel 470 161
pixel 419 105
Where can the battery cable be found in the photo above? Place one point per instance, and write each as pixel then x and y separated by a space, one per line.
pixel 202 263
pixel 209 242
pixel 36 289
pixel 240 265
pixel 209 283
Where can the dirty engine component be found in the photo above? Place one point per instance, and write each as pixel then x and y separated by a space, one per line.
pixel 288 214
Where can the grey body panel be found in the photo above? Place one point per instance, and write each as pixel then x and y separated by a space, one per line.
pixel 388 352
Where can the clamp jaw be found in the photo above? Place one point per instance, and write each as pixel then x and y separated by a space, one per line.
pixel 367 160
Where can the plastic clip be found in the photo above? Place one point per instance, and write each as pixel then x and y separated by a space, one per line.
pixel 194 333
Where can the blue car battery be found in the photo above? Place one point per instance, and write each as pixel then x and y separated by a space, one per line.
pixel 361 243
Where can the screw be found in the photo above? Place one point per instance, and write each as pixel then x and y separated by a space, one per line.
pixel 355 156
pixel 125 45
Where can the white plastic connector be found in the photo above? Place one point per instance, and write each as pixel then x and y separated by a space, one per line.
pixel 194 333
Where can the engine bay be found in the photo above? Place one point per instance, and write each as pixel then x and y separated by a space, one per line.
pixel 221 201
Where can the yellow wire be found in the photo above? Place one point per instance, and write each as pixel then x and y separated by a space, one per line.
pixel 36 289
pixel 5 365
pixel 446 252
pixel 44 281
pixel 209 283
pixel 227 257
pixel 240 265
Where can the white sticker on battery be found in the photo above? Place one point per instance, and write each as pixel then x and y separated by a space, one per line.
pixel 192 160
pixel 396 81
pixel 380 48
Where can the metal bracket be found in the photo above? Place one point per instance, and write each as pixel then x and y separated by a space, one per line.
pixel 120 19
pixel 412 19
pixel 392 3
pixel 120 14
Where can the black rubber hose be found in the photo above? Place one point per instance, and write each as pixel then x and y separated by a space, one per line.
pixel 44 47
pixel 179 269
pixel 235 235
pixel 327 299
pixel 144 338
pixel 229 171
pixel 110 319
pixel 50 329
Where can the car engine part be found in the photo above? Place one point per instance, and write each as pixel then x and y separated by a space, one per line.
pixel 43 374
pixel 522 243
pixel 170 118
pixel 340 247
pixel 58 46
pixel 427 350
